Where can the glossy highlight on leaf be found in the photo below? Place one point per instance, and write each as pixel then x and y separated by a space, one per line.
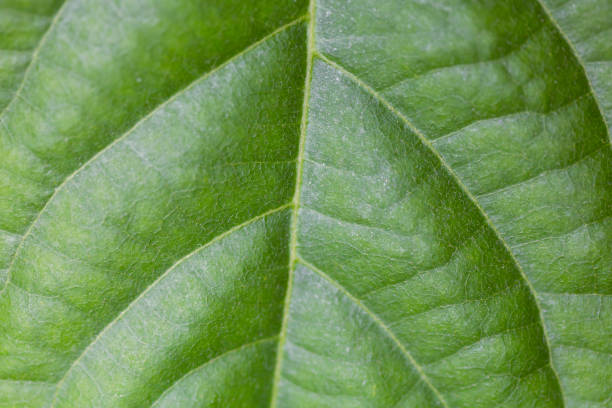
pixel 292 203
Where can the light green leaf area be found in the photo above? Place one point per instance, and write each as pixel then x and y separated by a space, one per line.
pixel 334 203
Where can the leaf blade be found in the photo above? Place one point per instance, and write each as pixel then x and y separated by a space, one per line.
pixel 26 26
pixel 584 27
pixel 400 227
pixel 143 356
pixel 529 194
pixel 465 256
pixel 107 88
pixel 180 174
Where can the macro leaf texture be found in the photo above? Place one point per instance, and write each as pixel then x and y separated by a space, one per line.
pixel 291 203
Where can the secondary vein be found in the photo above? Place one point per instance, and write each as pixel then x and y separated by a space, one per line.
pixel 131 130
pixel 468 194
pixel 154 284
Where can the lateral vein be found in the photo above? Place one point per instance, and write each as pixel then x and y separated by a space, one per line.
pixel 154 283
pixel 131 130
pixel 212 360
pixel 581 62
pixel 467 193
pixel 383 327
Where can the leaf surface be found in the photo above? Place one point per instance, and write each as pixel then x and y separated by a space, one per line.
pixel 336 204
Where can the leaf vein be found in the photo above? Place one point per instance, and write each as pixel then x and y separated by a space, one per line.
pixel 465 190
pixel 576 55
pixel 154 283
pixel 210 361
pixel 134 127
pixel 383 327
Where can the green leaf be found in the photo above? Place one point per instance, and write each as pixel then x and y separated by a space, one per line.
pixel 22 24
pixel 334 203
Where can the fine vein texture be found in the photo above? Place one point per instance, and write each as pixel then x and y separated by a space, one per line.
pixel 513 117
pixel 208 385
pixel 235 279
pixel 102 67
pixel 324 203
pixel 431 276
pixel 164 189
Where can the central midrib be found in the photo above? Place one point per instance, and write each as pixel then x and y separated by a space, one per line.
pixel 293 254
pixel 294 257
pixel 295 205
